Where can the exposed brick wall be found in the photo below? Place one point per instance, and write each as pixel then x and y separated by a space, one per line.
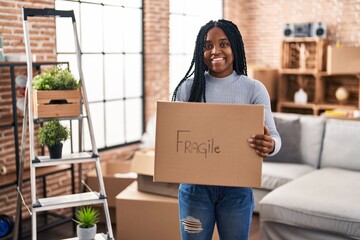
pixel 259 21
pixel 156 57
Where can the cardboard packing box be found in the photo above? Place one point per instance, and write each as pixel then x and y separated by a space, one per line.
pixel 204 143
pixel 117 176
pixel 147 216
pixel 143 165
pixel 268 76
pixel 343 60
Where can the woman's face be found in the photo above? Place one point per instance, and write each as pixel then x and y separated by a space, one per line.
pixel 218 55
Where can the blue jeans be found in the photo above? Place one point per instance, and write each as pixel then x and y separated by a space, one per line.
pixel 202 206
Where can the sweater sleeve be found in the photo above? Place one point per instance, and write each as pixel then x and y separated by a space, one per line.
pixel 261 96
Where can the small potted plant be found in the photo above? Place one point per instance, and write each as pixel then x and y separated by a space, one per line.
pixel 86 217
pixel 52 134
pixel 56 93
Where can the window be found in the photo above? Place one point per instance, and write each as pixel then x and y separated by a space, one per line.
pixel 186 18
pixel 111 39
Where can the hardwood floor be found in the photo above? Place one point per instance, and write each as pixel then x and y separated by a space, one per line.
pixel 65 231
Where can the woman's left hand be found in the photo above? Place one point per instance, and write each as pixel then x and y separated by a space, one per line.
pixel 262 143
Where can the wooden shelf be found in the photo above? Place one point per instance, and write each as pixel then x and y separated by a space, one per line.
pixel 10 179
pixel 296 71
pixel 303 39
pixel 312 106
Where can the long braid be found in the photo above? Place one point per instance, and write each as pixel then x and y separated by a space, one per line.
pixel 197 93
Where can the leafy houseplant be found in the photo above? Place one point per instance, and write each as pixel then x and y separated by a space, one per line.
pixel 55 79
pixel 52 134
pixel 86 217
pixel 56 94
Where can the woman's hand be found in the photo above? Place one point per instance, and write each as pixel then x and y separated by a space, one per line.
pixel 262 143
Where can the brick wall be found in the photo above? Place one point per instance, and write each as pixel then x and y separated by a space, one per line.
pixel 259 21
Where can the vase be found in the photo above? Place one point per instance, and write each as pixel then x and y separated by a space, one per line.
pixel 55 151
pixel 86 233
pixel 300 96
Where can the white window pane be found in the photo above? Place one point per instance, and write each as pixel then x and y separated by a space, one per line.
pixel 94 1
pixel 132 3
pixel 115 131
pixel 191 33
pixel 133 31
pixel 177 33
pixel 92 66
pixel 114 76
pixel 71 59
pixel 97 116
pixel 176 6
pixel 178 68
pixel 133 75
pixel 91 28
pixel 113 32
pixel 113 2
pixel 134 125
pixel 65 41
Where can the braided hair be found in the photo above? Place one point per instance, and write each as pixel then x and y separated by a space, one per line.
pixel 198 67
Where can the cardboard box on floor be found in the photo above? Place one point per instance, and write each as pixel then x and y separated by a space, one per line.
pixel 147 216
pixel 268 76
pixel 143 164
pixel 117 176
pixel 204 143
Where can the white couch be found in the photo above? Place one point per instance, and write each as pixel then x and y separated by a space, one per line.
pixel 312 189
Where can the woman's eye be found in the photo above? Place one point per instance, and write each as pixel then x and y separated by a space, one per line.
pixel 225 44
pixel 208 46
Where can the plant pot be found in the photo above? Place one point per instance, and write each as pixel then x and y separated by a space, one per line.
pixel 55 151
pixel 86 233
pixel 56 103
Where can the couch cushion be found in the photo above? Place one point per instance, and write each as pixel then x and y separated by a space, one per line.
pixel 276 174
pixel 341 144
pixel 324 200
pixel 312 133
pixel 290 133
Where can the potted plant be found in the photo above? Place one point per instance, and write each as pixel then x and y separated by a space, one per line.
pixel 52 134
pixel 56 93
pixel 86 217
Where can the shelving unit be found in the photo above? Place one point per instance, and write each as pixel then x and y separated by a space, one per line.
pixel 307 70
pixel 11 120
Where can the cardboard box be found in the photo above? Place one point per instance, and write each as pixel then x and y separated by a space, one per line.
pixel 117 177
pixel 203 143
pixel 268 76
pixel 342 60
pixel 147 216
pixel 143 165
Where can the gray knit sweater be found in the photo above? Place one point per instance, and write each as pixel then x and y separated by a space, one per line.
pixel 235 89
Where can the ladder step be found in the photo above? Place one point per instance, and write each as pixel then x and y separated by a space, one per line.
pixel 99 236
pixel 44 161
pixel 65 201
pixel 41 120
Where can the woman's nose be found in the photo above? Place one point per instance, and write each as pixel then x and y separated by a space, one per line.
pixel 215 49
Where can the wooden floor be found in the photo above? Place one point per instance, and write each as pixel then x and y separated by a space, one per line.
pixel 65 231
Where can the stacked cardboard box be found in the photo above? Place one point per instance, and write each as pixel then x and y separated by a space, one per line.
pixel 141 215
pixel 117 176
pixel 143 164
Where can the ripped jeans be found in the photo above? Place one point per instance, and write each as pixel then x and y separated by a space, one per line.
pixel 202 206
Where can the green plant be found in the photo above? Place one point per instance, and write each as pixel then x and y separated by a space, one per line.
pixel 53 133
pixel 87 217
pixel 55 78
